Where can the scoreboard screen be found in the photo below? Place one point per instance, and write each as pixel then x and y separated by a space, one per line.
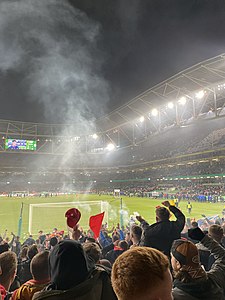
pixel 14 144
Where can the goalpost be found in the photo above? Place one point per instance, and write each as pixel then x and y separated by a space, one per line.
pixel 46 216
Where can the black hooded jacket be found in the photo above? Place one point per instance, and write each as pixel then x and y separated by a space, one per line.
pixel 68 265
pixel 74 277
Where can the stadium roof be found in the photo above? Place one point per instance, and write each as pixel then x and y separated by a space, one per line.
pixel 205 75
pixel 149 112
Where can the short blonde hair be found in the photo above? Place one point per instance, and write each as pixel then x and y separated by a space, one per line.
pixel 136 269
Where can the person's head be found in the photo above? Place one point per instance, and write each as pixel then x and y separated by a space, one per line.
pixel 39 266
pixel 136 233
pixel 123 245
pixel 194 224
pixel 162 214
pixel 68 265
pixel 32 251
pixel 53 241
pixel 90 240
pixel 142 273
pixel 4 247
pixel 93 251
pixel 185 261
pixel 8 263
pixel 127 237
pixel 115 238
pixel 23 252
pixel 106 263
pixel 14 143
pixel 216 232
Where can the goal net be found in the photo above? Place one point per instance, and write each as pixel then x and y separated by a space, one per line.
pixel 46 216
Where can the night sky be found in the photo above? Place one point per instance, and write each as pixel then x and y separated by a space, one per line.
pixel 108 51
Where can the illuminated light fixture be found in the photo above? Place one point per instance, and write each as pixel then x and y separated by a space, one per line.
pixel 182 100
pixel 200 94
pixel 142 118
pixel 154 112
pixel 110 147
pixel 170 105
pixel 95 136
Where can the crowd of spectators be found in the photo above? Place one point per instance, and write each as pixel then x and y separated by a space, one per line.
pixel 180 259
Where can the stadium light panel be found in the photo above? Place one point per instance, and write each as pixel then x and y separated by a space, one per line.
pixel 200 94
pixel 110 147
pixel 142 118
pixel 154 112
pixel 170 105
pixel 182 100
pixel 95 136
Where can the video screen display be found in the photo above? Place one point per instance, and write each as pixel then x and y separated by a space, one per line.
pixel 14 144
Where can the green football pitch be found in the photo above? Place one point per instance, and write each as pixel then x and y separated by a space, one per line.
pixel 48 217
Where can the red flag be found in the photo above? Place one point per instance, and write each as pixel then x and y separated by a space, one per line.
pixel 95 223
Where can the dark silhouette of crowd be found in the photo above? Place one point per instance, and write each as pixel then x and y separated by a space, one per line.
pixel 169 259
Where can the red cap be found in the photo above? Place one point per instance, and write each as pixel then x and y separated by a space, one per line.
pixel 73 216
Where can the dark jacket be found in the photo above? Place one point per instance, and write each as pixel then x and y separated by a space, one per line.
pixel 213 287
pixel 96 287
pixel 74 277
pixel 161 235
pixel 113 254
pixel 23 271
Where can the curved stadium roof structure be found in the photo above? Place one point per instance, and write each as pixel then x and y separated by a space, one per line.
pixel 196 94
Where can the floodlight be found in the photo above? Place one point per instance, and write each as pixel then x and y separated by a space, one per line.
pixel 182 100
pixel 142 118
pixel 170 105
pixel 110 147
pixel 95 136
pixel 154 112
pixel 200 94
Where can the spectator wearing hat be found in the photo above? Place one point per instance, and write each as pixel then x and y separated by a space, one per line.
pixel 142 273
pixel 161 234
pixel 192 282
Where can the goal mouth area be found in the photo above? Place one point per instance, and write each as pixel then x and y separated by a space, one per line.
pixel 52 215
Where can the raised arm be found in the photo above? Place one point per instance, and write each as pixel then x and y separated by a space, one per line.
pixel 180 217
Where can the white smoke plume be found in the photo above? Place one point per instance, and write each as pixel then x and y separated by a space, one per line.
pixel 54 48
